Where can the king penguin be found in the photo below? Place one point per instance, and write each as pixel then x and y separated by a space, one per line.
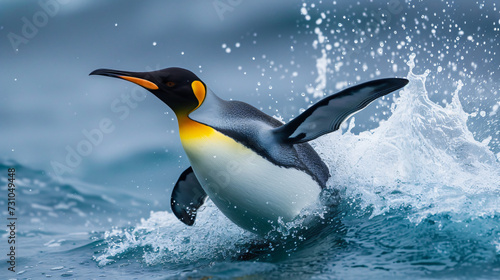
pixel 258 171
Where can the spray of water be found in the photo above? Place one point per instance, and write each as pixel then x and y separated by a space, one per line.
pixel 423 157
pixel 162 238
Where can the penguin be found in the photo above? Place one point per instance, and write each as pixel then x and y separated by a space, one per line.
pixel 258 171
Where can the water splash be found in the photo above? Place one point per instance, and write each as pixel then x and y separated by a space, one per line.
pixel 162 238
pixel 322 63
pixel 423 157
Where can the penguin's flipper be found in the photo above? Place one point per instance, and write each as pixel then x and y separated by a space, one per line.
pixel 187 197
pixel 328 114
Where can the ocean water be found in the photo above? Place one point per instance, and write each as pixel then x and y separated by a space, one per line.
pixel 415 186
pixel 420 198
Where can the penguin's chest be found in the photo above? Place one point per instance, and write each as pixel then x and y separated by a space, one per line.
pixel 250 190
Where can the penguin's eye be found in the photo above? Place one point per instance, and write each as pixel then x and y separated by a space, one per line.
pixel 170 84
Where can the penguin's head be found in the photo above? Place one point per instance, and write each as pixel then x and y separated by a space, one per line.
pixel 179 88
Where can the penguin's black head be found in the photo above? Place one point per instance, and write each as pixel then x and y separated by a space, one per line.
pixel 179 88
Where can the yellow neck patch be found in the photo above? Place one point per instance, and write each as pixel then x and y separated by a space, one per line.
pixel 143 83
pixel 189 129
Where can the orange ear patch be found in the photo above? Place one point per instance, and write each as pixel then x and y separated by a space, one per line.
pixel 143 83
pixel 199 91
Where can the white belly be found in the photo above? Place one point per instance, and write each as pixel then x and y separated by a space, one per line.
pixel 251 191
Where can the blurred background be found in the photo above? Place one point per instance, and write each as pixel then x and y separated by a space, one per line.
pixel 279 56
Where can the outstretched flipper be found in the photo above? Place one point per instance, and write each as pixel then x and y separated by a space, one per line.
pixel 187 197
pixel 328 114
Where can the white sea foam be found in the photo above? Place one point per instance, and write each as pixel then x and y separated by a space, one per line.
pixel 213 236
